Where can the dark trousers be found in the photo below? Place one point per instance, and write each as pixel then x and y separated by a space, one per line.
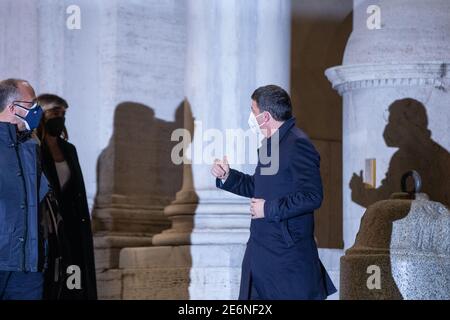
pixel 21 285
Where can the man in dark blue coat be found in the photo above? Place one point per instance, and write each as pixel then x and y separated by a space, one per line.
pixel 22 188
pixel 281 260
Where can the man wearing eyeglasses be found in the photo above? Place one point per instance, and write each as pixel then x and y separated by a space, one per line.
pixel 22 188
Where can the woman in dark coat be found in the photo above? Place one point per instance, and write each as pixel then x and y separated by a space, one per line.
pixel 61 167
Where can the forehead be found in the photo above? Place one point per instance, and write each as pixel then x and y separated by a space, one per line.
pixel 26 91
pixel 255 106
pixel 55 109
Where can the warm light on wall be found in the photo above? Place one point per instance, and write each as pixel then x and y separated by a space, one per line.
pixel 370 174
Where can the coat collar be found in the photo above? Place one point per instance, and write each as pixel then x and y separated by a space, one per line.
pixel 8 133
pixel 284 129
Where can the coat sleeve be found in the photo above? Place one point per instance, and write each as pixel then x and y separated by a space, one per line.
pixel 238 183
pixel 307 194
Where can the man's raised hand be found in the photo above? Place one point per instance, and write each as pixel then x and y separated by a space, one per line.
pixel 221 168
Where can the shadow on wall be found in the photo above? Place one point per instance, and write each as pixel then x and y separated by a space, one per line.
pixel 171 279
pixel 137 162
pixel 407 130
pixel 394 233
pixel 320 31
pixel 181 211
pixel 138 189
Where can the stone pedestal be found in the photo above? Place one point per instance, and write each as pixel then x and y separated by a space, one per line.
pixel 168 272
pixel 228 56
pixel 401 252
pixel 366 271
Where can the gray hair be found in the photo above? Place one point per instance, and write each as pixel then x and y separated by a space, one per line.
pixel 9 92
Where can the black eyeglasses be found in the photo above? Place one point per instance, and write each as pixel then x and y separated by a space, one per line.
pixel 32 103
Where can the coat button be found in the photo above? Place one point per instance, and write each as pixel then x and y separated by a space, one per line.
pixel 22 206
pixel 19 174
pixel 21 239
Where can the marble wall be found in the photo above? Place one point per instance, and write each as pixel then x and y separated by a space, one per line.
pixel 128 70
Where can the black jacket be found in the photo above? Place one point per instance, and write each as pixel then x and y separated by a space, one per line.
pixel 281 260
pixel 78 246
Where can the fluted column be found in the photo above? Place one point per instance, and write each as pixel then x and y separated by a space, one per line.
pixel 233 47
pixel 394 81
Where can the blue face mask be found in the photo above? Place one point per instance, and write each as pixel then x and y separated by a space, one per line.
pixel 33 117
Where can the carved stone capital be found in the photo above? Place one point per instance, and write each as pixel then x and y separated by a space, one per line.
pixel 358 76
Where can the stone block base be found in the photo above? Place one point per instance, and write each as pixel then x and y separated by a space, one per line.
pixel 109 285
pixel 182 272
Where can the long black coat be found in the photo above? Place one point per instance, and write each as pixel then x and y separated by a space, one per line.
pixel 77 234
pixel 281 260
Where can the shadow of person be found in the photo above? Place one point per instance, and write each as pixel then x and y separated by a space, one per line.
pixel 407 130
pixel 136 179
pixel 135 169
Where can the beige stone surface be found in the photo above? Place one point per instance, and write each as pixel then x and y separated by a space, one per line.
pixel 406 238
pixel 109 284
pixel 182 272
pixel 372 248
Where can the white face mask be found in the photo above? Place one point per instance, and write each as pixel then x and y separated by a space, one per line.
pixel 253 123
pixel 256 127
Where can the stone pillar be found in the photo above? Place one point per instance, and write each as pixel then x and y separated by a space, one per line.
pixel 394 81
pixel 233 47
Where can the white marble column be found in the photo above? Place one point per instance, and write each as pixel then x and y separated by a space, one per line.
pixel 408 56
pixel 233 47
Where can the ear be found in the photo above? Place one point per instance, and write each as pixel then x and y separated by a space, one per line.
pixel 11 108
pixel 11 111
